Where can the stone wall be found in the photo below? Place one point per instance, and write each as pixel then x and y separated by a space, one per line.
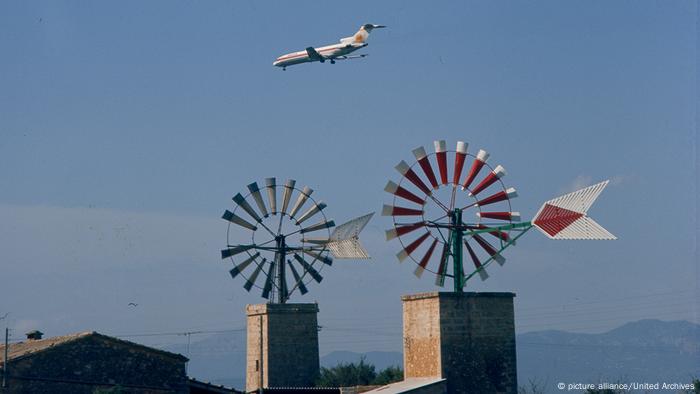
pixel 467 338
pixel 96 363
pixel 282 345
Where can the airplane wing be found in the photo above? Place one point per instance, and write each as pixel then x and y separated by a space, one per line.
pixel 351 57
pixel 313 55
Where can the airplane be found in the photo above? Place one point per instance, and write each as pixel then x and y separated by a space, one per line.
pixel 332 52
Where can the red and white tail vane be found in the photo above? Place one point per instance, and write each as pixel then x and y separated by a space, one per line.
pixel 565 217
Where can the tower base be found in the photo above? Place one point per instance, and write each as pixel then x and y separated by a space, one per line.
pixel 466 338
pixel 282 345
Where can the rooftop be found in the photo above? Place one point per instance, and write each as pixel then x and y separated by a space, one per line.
pixel 32 346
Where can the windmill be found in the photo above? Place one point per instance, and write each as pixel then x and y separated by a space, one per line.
pixel 286 239
pixel 447 217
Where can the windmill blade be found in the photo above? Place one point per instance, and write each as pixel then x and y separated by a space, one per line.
pixel 316 240
pixel 241 202
pixel 268 280
pixel 316 208
pixel 424 261
pixel 477 264
pixel 232 251
pixel 324 259
pixel 424 163
pixel 565 217
pixel 397 190
pixel 477 165
pixel 405 252
pixel 441 155
pixel 288 189
pixel 489 249
pixel 301 199
pixel 510 216
pixel 497 173
pixel 442 267
pixel 351 228
pixel 308 268
pixel 460 155
pixel 271 184
pixel 243 265
pixel 318 226
pixel 255 192
pixel 251 281
pixel 502 235
pixel 503 195
pixel 233 218
pixel 405 170
pixel 297 279
pixel 400 230
pixel 390 210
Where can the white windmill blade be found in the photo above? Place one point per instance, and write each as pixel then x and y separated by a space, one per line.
pixel 344 241
pixel 565 217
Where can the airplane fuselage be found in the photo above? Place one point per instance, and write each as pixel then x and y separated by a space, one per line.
pixel 329 52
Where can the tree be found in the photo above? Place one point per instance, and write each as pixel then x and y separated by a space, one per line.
pixel 357 374
pixel 389 375
pixel 347 374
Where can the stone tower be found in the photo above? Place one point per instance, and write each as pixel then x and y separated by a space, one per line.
pixel 282 345
pixel 466 338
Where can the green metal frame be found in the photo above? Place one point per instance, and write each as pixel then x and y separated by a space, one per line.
pixel 458 231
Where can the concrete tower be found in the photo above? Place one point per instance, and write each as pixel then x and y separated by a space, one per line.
pixel 282 343
pixel 466 338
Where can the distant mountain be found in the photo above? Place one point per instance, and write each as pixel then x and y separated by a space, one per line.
pixel 644 351
pixel 218 359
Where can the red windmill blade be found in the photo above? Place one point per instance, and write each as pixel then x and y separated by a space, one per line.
pixel 497 173
pixel 476 167
pixel 424 163
pixel 460 155
pixel 441 155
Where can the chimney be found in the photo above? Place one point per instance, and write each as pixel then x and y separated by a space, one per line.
pixel 34 335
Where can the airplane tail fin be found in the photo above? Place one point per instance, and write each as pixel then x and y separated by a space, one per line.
pixel 361 36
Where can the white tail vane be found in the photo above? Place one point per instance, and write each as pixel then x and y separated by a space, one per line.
pixel 565 217
pixel 344 241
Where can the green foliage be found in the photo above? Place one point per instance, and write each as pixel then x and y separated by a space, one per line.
pixel 695 390
pixel 357 374
pixel 389 375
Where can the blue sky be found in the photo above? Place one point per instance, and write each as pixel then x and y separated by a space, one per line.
pixel 126 127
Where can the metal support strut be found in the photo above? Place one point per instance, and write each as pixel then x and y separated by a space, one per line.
pixel 457 239
pixel 280 256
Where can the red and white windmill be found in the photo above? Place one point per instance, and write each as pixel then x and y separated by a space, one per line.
pixel 428 214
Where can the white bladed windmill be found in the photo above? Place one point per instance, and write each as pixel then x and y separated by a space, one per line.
pixel 429 212
pixel 286 239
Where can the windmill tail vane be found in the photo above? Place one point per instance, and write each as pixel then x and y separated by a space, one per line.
pixel 564 217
